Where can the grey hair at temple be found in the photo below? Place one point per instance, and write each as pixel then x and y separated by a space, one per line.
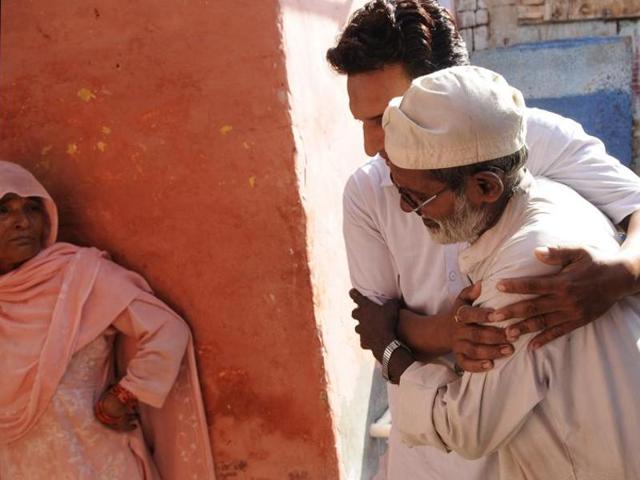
pixel 510 166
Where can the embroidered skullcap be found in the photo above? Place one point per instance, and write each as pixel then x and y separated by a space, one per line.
pixel 454 117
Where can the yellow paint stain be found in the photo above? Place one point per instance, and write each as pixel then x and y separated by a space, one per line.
pixel 44 164
pixel 252 181
pixel 106 130
pixel 101 146
pixel 226 129
pixel 46 150
pixel 72 149
pixel 86 95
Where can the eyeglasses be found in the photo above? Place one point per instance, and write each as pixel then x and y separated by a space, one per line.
pixel 415 206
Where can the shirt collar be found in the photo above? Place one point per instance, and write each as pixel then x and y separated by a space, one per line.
pixel 471 258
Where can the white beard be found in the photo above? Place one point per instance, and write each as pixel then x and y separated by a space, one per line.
pixel 465 225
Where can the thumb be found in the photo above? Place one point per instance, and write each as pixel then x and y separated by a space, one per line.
pixel 559 255
pixel 471 293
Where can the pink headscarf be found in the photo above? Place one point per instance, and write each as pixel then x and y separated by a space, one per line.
pixel 15 179
pixel 84 293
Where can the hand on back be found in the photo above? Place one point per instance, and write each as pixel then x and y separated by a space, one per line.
pixel 586 287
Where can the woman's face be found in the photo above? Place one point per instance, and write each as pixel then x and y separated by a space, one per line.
pixel 22 225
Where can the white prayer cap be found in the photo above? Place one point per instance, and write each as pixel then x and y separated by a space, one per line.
pixel 454 117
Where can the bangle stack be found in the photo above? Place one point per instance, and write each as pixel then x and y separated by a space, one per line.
pixel 124 396
pixel 104 417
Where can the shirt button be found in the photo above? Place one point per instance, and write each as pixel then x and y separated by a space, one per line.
pixel 452 276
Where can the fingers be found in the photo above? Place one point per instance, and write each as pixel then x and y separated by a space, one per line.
pixel 469 314
pixel 541 285
pixel 470 293
pixel 559 255
pixel 129 423
pixel 525 309
pixel 474 351
pixel 477 346
pixel 540 322
pixel 356 296
pixel 482 334
pixel 546 284
pixel 473 366
pixel 552 333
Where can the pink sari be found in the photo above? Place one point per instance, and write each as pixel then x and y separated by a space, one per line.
pixel 90 292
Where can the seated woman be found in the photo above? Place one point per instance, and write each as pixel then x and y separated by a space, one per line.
pixel 88 354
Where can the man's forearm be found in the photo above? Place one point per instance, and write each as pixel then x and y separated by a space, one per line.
pixel 426 335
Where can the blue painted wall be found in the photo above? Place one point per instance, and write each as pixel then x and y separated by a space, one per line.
pixel 603 114
pixel 586 79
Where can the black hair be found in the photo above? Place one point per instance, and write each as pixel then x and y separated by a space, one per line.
pixel 418 34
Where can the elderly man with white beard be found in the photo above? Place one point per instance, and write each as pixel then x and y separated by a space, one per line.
pixel 456 148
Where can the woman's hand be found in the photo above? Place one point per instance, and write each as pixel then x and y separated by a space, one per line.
pixel 115 414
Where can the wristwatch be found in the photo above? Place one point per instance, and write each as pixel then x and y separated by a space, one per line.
pixel 386 356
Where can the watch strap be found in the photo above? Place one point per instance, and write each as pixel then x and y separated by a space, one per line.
pixel 386 356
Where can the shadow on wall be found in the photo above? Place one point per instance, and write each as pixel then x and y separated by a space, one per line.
pixel 334 10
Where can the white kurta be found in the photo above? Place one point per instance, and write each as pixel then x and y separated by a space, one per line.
pixel 390 253
pixel 567 411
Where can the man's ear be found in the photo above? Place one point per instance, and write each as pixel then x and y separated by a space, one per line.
pixel 484 187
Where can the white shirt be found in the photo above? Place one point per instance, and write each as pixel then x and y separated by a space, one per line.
pixel 391 254
pixel 567 411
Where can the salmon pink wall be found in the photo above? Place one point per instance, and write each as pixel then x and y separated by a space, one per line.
pixel 328 150
pixel 163 131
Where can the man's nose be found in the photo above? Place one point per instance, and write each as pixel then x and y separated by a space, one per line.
pixel 373 139
pixel 405 207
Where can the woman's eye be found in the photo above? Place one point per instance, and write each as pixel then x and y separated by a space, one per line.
pixel 4 209
pixel 34 206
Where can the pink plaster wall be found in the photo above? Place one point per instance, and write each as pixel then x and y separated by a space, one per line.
pixel 162 130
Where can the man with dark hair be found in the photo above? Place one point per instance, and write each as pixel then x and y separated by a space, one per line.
pixel 385 45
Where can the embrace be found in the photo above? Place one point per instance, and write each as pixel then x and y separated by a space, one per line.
pixel 460 254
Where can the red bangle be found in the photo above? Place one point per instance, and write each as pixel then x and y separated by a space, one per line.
pixel 104 417
pixel 124 396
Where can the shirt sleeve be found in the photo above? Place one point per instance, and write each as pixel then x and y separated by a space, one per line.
pixel 561 150
pixel 476 413
pixel 162 340
pixel 370 264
